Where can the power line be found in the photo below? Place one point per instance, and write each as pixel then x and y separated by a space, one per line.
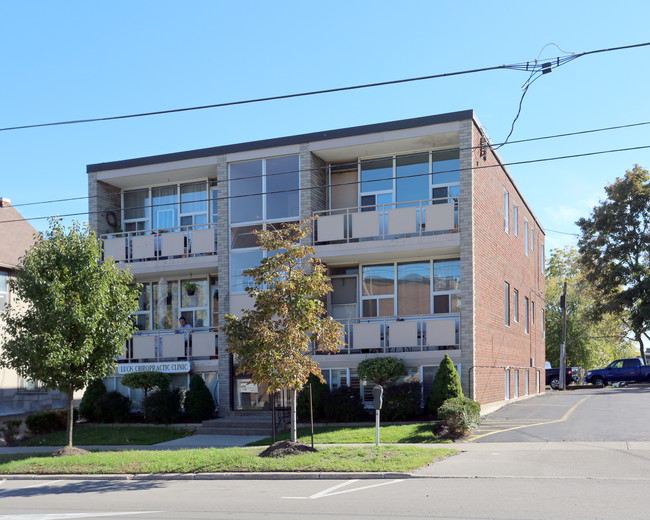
pixel 534 67
pixel 325 186
pixel 355 163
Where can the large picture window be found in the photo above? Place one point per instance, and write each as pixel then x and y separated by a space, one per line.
pixel 266 189
pixel 407 178
pixel 166 207
pixel 411 288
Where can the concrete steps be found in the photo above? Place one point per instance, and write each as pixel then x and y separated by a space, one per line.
pixel 235 424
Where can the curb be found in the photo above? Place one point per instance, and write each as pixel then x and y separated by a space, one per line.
pixel 219 476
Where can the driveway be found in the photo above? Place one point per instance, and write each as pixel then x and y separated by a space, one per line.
pixel 584 415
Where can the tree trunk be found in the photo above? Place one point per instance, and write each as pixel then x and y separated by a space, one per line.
pixel 641 348
pixel 70 414
pixel 294 407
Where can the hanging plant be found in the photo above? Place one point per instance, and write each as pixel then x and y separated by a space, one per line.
pixel 190 288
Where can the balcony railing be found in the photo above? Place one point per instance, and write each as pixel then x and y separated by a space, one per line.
pixel 172 345
pixel 383 221
pixel 161 244
pixel 400 334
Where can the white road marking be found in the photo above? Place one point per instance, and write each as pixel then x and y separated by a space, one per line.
pixel 64 516
pixel 27 487
pixel 332 490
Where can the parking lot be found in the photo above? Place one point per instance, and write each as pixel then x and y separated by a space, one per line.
pixel 587 414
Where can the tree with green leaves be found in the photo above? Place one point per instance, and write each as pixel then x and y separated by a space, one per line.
pixel 591 341
pixel 381 370
pixel 74 313
pixel 615 251
pixel 272 341
pixel 446 385
pixel 147 380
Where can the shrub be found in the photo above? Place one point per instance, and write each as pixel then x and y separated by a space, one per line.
pixel 382 370
pixel 402 401
pixel 87 407
pixel 199 404
pixel 343 405
pixel 40 423
pixel 163 406
pixel 11 430
pixel 319 393
pixel 461 414
pixel 446 385
pixel 113 407
pixel 147 380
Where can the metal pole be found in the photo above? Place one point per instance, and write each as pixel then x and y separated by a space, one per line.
pixel 273 417
pixel 377 427
pixel 311 416
pixel 563 344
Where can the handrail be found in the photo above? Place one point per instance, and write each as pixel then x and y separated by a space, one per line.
pixel 382 343
pixel 418 228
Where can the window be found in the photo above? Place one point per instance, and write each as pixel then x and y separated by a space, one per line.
pixel 515 220
pixel 404 179
pixel 526 315
pixel 507 384
pixel 532 238
pixel 506 211
pixel 515 304
pixel 542 259
pixel 507 303
pixel 239 262
pixel 4 289
pixel 410 288
pixel 378 290
pixel 166 207
pixel 532 312
pixel 526 382
pixel 526 236
pixel 266 189
pixel 27 385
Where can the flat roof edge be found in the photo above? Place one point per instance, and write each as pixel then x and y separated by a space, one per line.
pixel 283 141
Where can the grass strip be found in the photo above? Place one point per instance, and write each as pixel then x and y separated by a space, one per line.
pixel 83 435
pixel 416 433
pixel 334 458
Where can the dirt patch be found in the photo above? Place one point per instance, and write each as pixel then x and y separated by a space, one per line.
pixel 286 448
pixel 69 450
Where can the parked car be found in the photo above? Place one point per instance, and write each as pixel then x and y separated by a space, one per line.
pixel 572 375
pixel 631 370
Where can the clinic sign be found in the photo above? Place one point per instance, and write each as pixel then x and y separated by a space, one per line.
pixel 173 367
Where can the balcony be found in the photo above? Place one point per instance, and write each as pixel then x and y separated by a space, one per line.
pixel 159 245
pixel 392 335
pixel 171 345
pixel 386 221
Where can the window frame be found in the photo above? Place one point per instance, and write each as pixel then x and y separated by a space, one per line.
pixel 506 211
pixel 507 304
pixel 515 220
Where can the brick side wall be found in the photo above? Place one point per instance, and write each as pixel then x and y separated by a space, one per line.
pixel 499 257
pixel 223 261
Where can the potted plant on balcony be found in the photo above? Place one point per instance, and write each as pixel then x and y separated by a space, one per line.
pixel 190 287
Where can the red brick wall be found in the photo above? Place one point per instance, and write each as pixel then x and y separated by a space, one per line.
pixel 500 257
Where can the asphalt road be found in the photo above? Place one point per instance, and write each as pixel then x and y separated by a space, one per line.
pixel 441 498
pixel 590 414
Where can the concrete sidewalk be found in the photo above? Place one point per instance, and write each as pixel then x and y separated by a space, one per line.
pixel 191 442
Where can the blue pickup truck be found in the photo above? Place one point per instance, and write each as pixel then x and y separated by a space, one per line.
pixel 632 370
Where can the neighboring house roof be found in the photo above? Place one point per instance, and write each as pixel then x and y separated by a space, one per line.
pixel 16 234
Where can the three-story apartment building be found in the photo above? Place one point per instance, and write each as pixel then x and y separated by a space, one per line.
pixel 430 246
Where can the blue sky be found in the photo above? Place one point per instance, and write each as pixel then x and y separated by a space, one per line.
pixel 74 60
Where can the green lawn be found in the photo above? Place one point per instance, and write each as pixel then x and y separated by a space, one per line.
pixel 417 433
pixel 334 458
pixel 83 435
